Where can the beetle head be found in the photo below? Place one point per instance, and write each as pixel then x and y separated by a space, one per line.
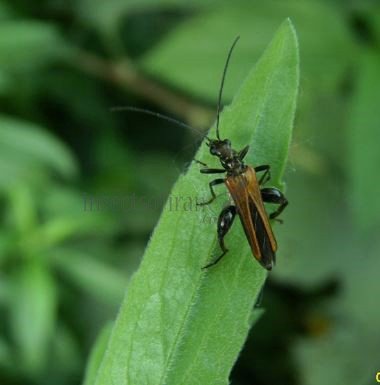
pixel 220 148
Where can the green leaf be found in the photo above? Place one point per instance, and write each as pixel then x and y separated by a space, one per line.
pixel 5 82
pixel 92 275
pixel 26 148
pixel 107 15
pixel 354 321
pixel 364 156
pixel 372 14
pixel 6 358
pixel 180 324
pixel 32 316
pixel 309 256
pixel 5 12
pixel 334 358
pixel 59 229
pixel 26 44
pixel 97 354
pixel 4 289
pixel 68 352
pixel 191 56
pixel 360 280
pixel 23 215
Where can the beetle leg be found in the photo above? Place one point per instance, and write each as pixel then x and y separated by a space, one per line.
pixel 243 152
pixel 274 195
pixel 266 175
pixel 207 170
pixel 213 196
pixel 225 221
pixel 212 170
pixel 201 163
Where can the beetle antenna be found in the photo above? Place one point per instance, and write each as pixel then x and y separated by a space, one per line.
pixel 158 115
pixel 222 84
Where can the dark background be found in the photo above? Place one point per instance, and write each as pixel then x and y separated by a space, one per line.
pixel 64 270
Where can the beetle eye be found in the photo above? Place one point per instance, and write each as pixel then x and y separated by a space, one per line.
pixel 213 150
pixel 227 142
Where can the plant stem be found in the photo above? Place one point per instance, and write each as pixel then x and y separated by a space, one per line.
pixel 124 74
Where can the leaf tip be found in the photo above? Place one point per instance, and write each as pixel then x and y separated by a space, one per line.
pixel 287 24
pixel 288 32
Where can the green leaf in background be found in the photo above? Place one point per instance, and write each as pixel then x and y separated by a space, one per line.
pixel 27 44
pixel 94 276
pixel 66 351
pixel 191 56
pixel 364 154
pixel 179 324
pixel 4 290
pixel 61 208
pixel 97 355
pixel 353 323
pixel 360 279
pixel 5 11
pixel 26 148
pixel 63 228
pixel 106 16
pixel 23 216
pixel 348 351
pixel 335 359
pixel 5 354
pixel 32 315
pixel 5 82
pixel 373 14
pixel 316 207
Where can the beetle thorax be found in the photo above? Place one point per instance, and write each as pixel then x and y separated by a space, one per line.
pixel 233 165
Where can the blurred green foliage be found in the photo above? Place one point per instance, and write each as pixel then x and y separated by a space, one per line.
pixel 64 270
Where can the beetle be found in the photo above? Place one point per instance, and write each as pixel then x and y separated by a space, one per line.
pixel 247 194
pixel 246 191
